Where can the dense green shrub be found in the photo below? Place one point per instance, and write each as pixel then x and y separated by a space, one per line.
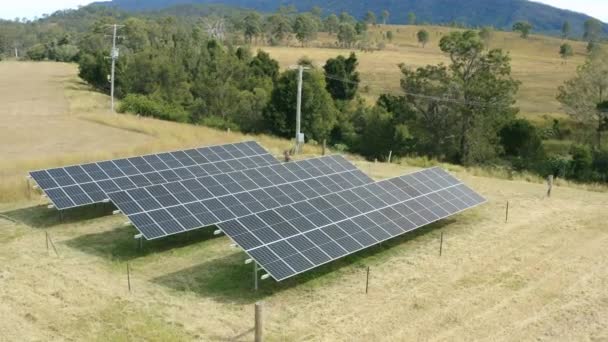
pixel 37 52
pixel 580 167
pixel 600 165
pixel 522 144
pixel 66 53
pixel 556 166
pixel 147 106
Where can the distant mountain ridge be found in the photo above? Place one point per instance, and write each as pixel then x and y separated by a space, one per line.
pixel 498 13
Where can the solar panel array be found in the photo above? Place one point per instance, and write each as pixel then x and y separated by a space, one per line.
pixel 171 208
pixel 295 238
pixel 79 185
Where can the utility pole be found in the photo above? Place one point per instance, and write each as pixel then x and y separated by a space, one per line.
pixel 299 135
pixel 114 57
pixel 299 110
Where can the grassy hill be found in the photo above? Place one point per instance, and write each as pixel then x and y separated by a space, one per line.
pixel 536 62
pixel 497 13
pixel 541 275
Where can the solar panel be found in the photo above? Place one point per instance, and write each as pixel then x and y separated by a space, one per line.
pixel 292 239
pixel 79 185
pixel 171 208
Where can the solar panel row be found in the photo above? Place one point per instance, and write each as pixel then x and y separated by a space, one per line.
pixel 78 185
pixel 176 207
pixel 288 217
pixel 292 239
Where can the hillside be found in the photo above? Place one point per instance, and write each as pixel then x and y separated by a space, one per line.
pixel 536 63
pixel 539 276
pixel 498 13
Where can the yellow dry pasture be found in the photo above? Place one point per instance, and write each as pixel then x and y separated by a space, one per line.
pixel 539 276
pixel 536 62
pixel 49 117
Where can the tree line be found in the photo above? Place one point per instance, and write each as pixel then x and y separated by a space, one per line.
pixel 462 112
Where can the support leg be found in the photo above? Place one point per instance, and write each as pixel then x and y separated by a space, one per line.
pixel 255 275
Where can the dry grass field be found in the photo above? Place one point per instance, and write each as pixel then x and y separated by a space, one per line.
pixel 49 117
pixel 536 63
pixel 539 276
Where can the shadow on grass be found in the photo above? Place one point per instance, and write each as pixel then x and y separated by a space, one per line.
pixel 42 217
pixel 229 279
pixel 120 245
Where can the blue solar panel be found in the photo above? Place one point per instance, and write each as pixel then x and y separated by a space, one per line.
pixel 214 199
pixel 79 185
pixel 295 238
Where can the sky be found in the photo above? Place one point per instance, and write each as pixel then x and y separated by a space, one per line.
pixel 595 8
pixel 35 8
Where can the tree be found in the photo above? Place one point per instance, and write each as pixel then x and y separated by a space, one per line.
pixel 385 16
pixel 566 51
pixel 523 27
pixel 262 65
pixel 486 34
pixel 581 164
pixel 370 18
pixel 341 77
pixel 331 24
pixel 566 28
pixel 434 121
pixel 347 18
pixel 347 35
pixel 318 110
pixel 379 132
pixel 37 52
pixel 423 37
pixel 94 69
pixel 252 26
pixel 592 30
pixel 360 27
pixel 480 95
pixel 411 18
pixel 521 141
pixel 593 48
pixel 390 36
pixel 278 27
pixel 66 53
pixel 581 95
pixel 305 28
pixel 316 11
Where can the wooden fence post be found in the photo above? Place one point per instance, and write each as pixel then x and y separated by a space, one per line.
pixel 324 146
pixel 48 239
pixel 129 277
pixel 441 244
pixel 258 322
pixel 367 280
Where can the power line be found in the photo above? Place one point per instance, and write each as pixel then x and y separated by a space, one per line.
pixel 418 95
